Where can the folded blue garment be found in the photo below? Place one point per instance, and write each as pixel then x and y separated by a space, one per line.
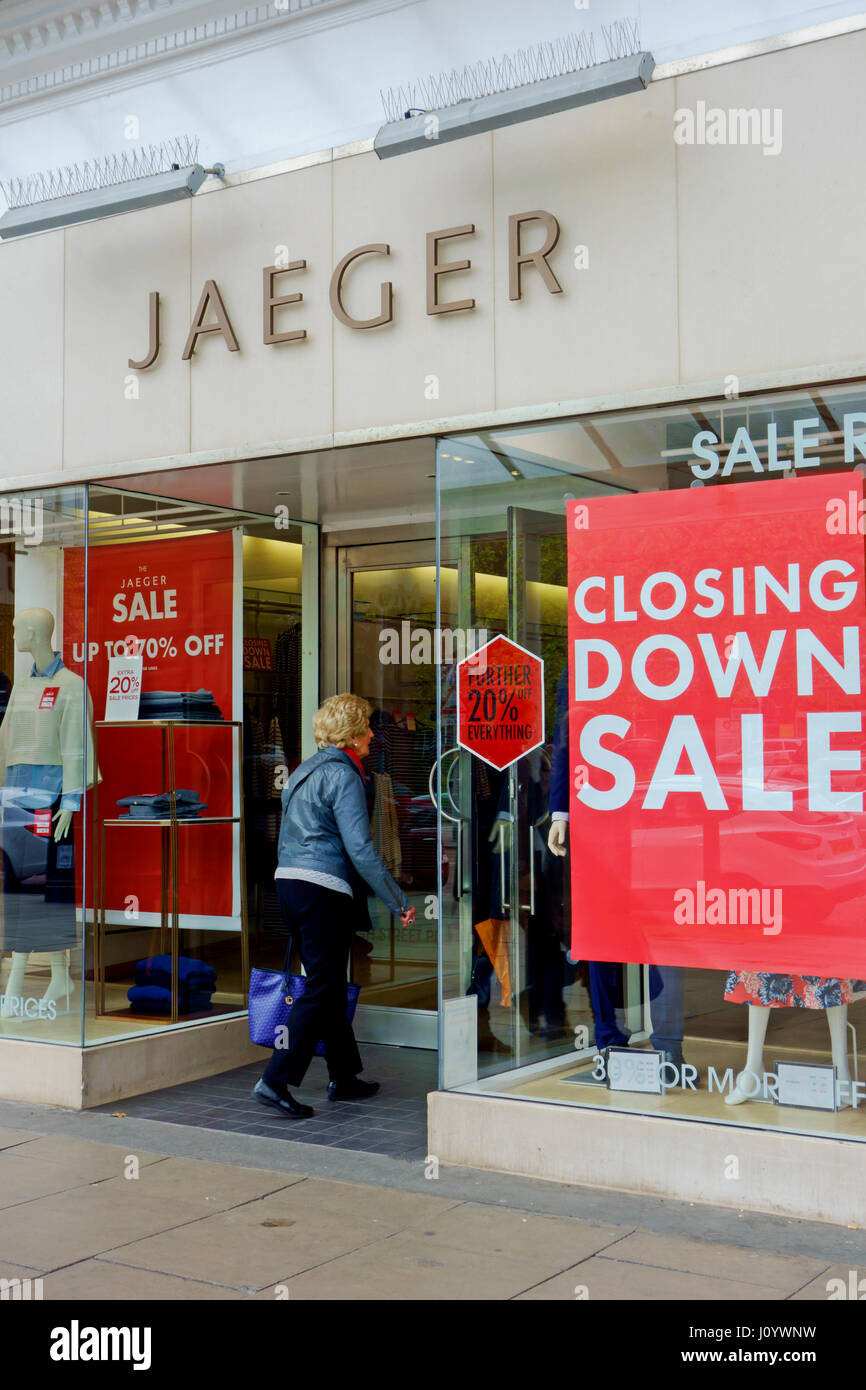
pixel 186 966
pixel 182 796
pixel 155 695
pixel 193 984
pixel 155 1000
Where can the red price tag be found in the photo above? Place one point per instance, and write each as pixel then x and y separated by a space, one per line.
pixel 49 697
pixel 42 822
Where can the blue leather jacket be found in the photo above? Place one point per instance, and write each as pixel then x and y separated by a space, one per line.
pixel 326 827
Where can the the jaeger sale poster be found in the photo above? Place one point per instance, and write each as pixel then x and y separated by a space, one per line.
pixel 176 600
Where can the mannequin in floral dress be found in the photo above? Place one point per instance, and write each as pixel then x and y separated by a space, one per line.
pixel 763 991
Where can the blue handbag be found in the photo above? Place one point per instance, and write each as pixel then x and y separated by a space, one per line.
pixel 272 994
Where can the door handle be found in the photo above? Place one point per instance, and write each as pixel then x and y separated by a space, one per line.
pixel 457 819
pixel 532 871
pixel 502 823
pixel 544 757
pixel 446 785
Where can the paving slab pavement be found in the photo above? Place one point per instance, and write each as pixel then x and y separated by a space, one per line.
pixel 128 1221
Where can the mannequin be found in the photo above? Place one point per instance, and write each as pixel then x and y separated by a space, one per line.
pixel 667 983
pixel 543 977
pixel 750 1084
pixel 42 766
pixel 789 991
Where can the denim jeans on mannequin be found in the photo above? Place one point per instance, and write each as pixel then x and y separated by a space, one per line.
pixel 666 1009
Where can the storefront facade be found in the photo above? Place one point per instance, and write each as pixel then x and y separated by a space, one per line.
pixel 339 426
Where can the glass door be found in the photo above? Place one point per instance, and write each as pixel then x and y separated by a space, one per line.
pixel 388 653
pixel 506 910
pixel 537 898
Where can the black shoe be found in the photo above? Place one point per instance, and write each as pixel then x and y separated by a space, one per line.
pixel 353 1089
pixel 291 1108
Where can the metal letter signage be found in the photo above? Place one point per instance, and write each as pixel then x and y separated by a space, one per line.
pixel 435 271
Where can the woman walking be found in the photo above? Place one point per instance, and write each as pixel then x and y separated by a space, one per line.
pixel 325 833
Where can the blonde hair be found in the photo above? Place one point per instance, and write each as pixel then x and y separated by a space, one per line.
pixel 340 720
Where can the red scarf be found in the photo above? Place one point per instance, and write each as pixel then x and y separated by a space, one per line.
pixel 356 760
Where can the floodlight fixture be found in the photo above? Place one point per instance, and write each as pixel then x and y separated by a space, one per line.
pixel 142 177
pixel 553 76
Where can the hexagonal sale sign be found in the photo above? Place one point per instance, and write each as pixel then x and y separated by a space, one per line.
pixel 500 702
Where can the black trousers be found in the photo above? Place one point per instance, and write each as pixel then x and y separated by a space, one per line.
pixel 320 923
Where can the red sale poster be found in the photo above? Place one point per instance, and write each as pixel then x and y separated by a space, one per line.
pixel 174 601
pixel 716 642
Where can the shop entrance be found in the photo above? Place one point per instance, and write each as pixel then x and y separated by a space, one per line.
pixel 386 653
pixel 368 515
pixel 506 909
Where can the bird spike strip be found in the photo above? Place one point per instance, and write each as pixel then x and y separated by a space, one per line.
pixel 138 162
pixel 551 58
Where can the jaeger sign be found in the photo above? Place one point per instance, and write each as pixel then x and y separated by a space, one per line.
pixel 212 315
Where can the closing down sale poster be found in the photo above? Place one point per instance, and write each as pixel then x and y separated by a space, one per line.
pixel 716 641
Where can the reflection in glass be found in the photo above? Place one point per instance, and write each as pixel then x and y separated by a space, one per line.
pixel 505 497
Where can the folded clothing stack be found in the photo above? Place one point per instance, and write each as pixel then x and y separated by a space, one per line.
pixel 151 992
pixel 157 805
pixel 178 704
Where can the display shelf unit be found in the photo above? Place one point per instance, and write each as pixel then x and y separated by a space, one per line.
pixel 170 927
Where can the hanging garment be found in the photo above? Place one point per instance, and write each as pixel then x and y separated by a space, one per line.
pixel 495 934
pixel 773 991
pixel 482 781
pixel 287 663
pixel 275 776
pixel 254 753
pixel 254 794
pixel 385 827
pixel 274 761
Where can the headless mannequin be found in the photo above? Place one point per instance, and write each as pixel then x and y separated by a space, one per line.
pixel 750 1083
pixel 33 629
